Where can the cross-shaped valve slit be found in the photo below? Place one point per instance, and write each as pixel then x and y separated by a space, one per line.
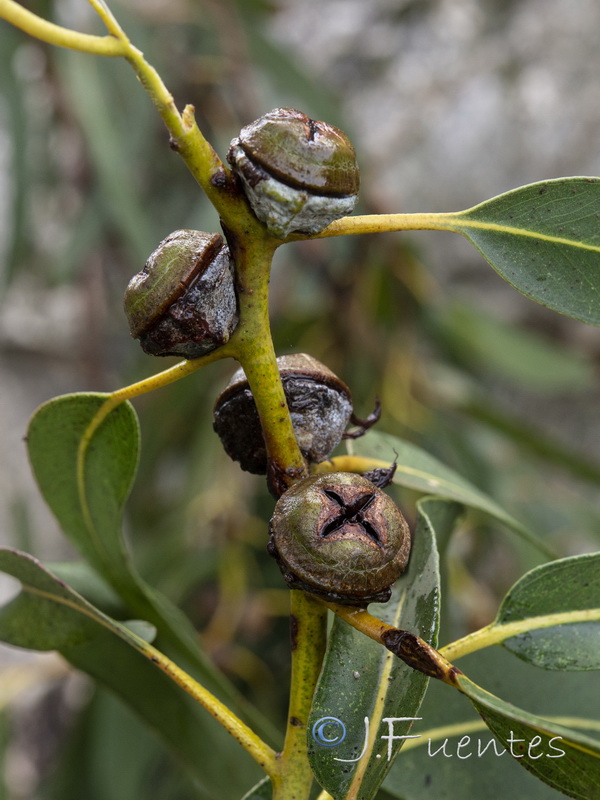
pixel 352 513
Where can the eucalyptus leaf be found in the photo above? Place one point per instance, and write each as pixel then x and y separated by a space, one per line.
pixel 49 615
pixel 540 443
pixel 19 189
pixel 364 693
pixel 87 83
pixel 523 357
pixel 563 758
pixel 84 579
pixel 87 494
pixel 86 488
pixel 551 617
pixel 458 757
pixel 418 470
pixel 544 239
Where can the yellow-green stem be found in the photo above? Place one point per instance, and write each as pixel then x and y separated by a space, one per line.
pixel 186 137
pixel 252 346
pixel 55 34
pixel 382 223
pixel 108 18
pixel 413 650
pixel 349 464
pixel 308 624
pixel 176 373
pixel 250 741
pixel 473 726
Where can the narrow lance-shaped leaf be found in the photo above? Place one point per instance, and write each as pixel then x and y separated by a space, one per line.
pixel 544 239
pixel 49 615
pixel 505 350
pixel 86 488
pixel 365 694
pixel 551 617
pixel 565 759
pixel 458 757
pixel 419 470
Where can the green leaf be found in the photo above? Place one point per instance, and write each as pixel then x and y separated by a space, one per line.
pixel 418 470
pixel 434 766
pixel 88 505
pixel 86 491
pixel 551 617
pixel 544 239
pixel 49 615
pixel 564 759
pixel 521 356
pixel 528 438
pixel 362 681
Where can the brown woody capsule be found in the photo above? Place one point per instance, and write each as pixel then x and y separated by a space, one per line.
pixel 183 302
pixel 299 174
pixel 320 406
pixel 338 536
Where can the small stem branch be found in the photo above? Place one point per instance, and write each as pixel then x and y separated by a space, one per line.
pixel 200 158
pixel 495 633
pixel 381 223
pixel 171 375
pixel 186 137
pixel 308 631
pixel 477 640
pixel 413 650
pixel 107 17
pixel 349 464
pixel 57 35
pixel 250 741
pixel 176 373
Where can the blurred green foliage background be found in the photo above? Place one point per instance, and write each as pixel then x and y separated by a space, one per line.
pixel 89 187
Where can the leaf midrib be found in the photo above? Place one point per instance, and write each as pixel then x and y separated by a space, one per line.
pixel 497 633
pixel 512 231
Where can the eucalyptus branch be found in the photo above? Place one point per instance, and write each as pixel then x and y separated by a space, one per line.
pixel 252 345
pixel 308 631
pixel 383 223
pixel 409 647
pixel 151 384
pixel 48 32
